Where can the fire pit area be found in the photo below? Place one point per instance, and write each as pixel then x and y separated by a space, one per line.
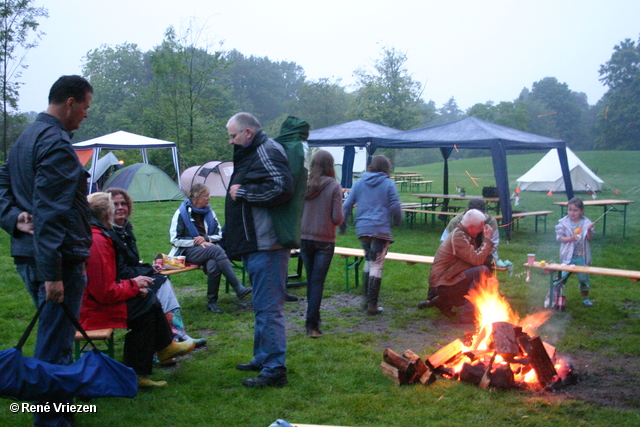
pixel 502 352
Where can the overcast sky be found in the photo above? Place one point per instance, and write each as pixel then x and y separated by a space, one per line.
pixel 472 50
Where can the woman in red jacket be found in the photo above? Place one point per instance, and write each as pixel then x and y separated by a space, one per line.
pixel 125 304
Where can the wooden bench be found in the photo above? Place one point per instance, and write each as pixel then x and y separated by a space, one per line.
pixel 427 185
pixel 104 335
pixel 603 271
pixel 410 215
pixel 560 268
pixel 540 216
pixel 358 255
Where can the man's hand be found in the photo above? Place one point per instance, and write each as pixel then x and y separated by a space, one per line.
pixel 143 281
pixel 25 223
pixel 488 231
pixel 233 190
pixel 55 291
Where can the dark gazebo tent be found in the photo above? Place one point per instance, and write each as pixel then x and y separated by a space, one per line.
pixel 473 133
pixel 358 133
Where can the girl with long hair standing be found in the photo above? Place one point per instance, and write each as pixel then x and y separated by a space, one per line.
pixel 321 214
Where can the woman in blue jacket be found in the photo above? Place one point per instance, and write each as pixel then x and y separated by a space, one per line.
pixel 377 207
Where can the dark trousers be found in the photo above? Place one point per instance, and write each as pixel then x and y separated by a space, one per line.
pixel 317 260
pixel 454 295
pixel 149 333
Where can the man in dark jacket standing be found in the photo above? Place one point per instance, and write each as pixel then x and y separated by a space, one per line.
pixel 43 206
pixel 261 181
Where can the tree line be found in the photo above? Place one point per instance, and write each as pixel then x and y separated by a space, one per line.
pixel 184 89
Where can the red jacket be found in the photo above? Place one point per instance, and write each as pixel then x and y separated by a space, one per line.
pixel 104 300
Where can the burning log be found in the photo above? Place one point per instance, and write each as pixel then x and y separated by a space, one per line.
pixel 541 362
pixel 445 354
pixel 504 339
pixel 472 372
pixel 502 377
pixel 423 373
pixel 486 378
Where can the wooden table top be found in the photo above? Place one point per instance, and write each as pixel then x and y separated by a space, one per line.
pixel 597 202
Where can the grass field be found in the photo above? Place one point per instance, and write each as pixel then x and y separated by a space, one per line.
pixel 336 380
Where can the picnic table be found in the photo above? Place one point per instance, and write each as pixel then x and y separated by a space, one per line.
pixel 604 203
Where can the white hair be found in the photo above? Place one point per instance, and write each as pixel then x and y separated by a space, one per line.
pixel 472 217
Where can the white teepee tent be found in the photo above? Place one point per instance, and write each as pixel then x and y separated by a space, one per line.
pixel 546 175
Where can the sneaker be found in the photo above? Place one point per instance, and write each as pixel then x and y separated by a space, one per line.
pixel 587 302
pixel 146 382
pixel 176 349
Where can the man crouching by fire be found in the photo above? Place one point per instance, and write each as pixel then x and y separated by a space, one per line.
pixel 458 266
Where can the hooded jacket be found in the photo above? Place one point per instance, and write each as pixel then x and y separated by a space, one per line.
pixel 377 206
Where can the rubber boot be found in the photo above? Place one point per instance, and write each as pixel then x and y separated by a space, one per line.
pixel 213 286
pixel 365 290
pixel 177 326
pixel 226 268
pixel 372 296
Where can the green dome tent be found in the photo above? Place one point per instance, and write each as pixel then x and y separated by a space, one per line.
pixel 145 183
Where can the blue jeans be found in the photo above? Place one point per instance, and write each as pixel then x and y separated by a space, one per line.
pixel 54 343
pixel 317 260
pixel 268 272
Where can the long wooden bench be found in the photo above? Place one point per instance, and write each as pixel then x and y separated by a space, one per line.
pixel 560 268
pixel 358 255
pixel 634 275
pixel 539 215
pixel 410 215
pixel 427 185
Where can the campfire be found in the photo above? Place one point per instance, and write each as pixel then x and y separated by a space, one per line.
pixel 502 352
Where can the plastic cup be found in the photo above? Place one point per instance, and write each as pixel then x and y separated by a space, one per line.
pixel 531 258
pixel 181 260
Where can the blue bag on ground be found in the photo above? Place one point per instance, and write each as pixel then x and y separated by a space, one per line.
pixel 93 375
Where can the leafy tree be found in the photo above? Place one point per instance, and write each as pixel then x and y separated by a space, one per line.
pixel 619 113
pixel 18 34
pixel 120 79
pixel 189 79
pixel 390 96
pixel 321 103
pixel 555 111
pixel 263 87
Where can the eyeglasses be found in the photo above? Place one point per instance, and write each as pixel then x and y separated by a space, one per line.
pixel 233 135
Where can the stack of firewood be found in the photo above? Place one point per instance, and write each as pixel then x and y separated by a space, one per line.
pixel 519 353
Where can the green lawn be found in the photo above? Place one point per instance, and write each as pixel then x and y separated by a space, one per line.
pixel 336 380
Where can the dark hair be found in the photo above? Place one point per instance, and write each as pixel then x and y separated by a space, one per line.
pixel 197 190
pixel 114 191
pixel 379 164
pixel 66 87
pixel 577 202
pixel 478 204
pixel 321 165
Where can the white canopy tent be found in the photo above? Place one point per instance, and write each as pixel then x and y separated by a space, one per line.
pixel 122 140
pixel 546 175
